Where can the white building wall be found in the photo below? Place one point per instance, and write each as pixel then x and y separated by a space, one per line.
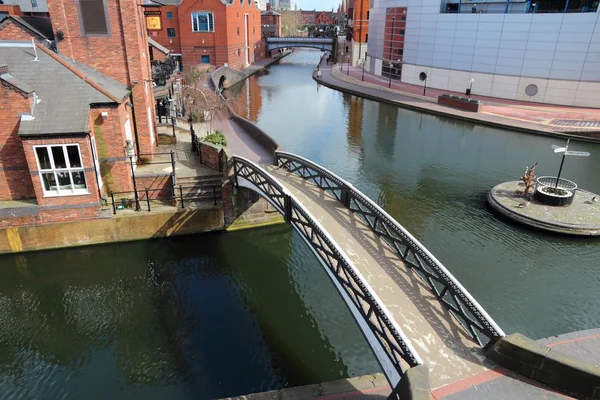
pixel 504 53
pixel 358 51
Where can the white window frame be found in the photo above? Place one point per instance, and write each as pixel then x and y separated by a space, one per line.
pixel 211 26
pixel 58 192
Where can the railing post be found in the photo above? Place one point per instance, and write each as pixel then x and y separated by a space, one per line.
pixel 181 196
pixel 346 196
pixel 112 197
pixel 148 199
pixel 135 193
pixel 235 174
pixel 174 175
pixel 287 208
pixel 215 195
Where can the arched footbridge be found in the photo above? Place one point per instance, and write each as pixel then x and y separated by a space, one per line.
pixel 274 43
pixel 410 308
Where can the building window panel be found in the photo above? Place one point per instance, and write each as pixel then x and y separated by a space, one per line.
pixel 169 15
pixel 171 32
pixel 203 22
pixel 93 17
pixel 61 170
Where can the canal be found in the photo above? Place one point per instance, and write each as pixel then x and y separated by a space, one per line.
pixel 219 315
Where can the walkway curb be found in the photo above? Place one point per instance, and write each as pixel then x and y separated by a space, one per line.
pixel 449 114
pixel 546 365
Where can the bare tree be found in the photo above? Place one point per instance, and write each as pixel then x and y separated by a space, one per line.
pixel 290 20
pixel 202 103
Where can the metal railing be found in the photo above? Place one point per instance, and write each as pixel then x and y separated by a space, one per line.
pixel 298 39
pixel 562 183
pixel 391 347
pixel 448 291
pixel 144 196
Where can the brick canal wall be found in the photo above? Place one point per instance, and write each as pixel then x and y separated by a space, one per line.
pixel 120 228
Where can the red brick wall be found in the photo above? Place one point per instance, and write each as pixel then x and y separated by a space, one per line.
pixel 88 164
pixel 70 214
pixel 15 179
pixel 11 10
pixel 9 30
pixel 110 140
pixel 163 183
pixel 122 55
pixel 157 55
pixel 223 44
pixel 173 44
pixel 361 24
pixel 210 156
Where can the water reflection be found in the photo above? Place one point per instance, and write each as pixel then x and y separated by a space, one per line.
pixel 183 318
pixel 432 174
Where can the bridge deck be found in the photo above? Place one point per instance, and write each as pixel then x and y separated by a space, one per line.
pixel 442 343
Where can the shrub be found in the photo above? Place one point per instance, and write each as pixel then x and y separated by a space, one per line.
pixel 216 138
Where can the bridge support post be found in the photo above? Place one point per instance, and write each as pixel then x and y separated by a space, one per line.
pixel 235 175
pixel 414 385
pixel 346 196
pixel 287 209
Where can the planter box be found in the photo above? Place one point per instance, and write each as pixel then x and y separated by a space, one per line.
pixel 459 102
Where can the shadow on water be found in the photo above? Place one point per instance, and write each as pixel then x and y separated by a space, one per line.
pixel 191 317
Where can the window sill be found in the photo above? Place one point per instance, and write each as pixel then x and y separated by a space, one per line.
pixel 50 195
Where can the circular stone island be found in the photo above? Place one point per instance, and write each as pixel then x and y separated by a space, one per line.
pixel 581 217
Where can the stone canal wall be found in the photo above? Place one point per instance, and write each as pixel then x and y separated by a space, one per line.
pixel 119 228
pixel 547 365
pixel 371 385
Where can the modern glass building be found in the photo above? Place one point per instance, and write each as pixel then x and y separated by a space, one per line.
pixel 539 51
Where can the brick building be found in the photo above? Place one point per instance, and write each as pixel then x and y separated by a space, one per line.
pixel 358 29
pixel 70 102
pixel 216 32
pixel 270 23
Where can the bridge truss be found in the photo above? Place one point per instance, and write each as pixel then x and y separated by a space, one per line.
pixel 391 347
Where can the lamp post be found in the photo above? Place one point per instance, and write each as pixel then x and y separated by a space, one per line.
pixel 130 152
pixel 348 61
pixel 364 61
pixel 391 64
pixel 470 87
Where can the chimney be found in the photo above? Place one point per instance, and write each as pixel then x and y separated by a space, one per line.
pixel 268 6
pixel 3 69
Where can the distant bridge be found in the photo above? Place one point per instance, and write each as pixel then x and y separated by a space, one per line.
pixel 274 43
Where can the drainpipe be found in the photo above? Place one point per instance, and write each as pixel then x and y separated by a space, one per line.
pixel 135 130
pixel 96 172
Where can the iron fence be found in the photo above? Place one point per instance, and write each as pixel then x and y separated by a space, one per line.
pixel 369 311
pixel 448 291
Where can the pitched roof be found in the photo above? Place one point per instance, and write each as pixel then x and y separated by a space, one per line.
pixel 271 12
pixel 29 24
pixel 158 46
pixel 63 95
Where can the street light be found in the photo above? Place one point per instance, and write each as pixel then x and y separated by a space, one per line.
pixel 470 87
pixel 391 64
pixel 348 61
pixel 364 61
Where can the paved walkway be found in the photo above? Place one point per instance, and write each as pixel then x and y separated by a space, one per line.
pixel 444 346
pixel 530 117
pixel 242 144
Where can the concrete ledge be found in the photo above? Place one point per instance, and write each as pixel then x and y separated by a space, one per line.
pixel 546 365
pixel 476 119
pixel 414 384
pixel 350 386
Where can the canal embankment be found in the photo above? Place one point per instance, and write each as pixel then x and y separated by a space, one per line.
pixel 334 78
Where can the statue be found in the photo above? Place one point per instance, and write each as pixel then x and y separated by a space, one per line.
pixel 529 179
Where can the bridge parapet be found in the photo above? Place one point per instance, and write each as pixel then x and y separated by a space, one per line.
pixel 390 345
pixel 446 288
pixel 274 43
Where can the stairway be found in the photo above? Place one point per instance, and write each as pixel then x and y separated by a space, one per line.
pixel 198 190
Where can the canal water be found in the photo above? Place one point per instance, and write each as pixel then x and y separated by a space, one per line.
pixel 219 315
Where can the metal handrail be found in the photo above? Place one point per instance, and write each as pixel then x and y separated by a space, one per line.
pixel 172 188
pixel 551 181
pixel 376 319
pixel 469 313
